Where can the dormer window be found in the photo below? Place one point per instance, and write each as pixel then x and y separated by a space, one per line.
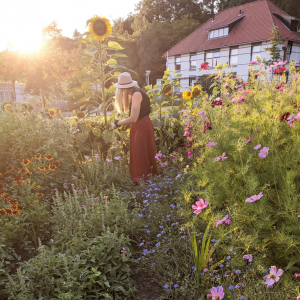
pixel 292 23
pixel 217 33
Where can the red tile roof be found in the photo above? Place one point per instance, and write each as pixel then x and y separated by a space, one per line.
pixel 254 27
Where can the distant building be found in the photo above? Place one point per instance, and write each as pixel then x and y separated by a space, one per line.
pixel 7 92
pixel 234 36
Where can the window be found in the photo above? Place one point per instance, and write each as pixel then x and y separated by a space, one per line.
pixel 255 52
pixel 193 58
pixel 192 81
pixel 177 62
pixel 212 58
pixel 218 33
pixel 234 52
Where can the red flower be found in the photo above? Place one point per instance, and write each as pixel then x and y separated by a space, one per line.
pixel 284 116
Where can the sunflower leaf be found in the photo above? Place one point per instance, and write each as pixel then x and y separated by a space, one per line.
pixel 83 99
pixel 111 62
pixel 114 46
pixel 118 55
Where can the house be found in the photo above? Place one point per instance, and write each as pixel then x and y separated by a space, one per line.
pixel 7 92
pixel 234 36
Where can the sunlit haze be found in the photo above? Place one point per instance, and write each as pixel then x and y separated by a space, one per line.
pixel 22 21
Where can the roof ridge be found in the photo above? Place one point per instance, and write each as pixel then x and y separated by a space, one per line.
pixel 207 22
pixel 271 15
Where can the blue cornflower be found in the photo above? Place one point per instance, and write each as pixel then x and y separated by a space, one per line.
pixel 148 231
pixel 221 266
pixel 162 232
pixel 168 290
pixel 172 206
pixel 146 226
pixel 176 285
pixel 140 215
pixel 168 216
pixel 265 271
pixel 159 235
pixel 138 259
pixel 166 286
pixel 211 274
pixel 202 274
pixel 153 250
pixel 228 257
pixel 155 201
pixel 243 297
pixel 238 272
pixel 194 268
pixel 213 240
pixel 237 286
pixel 158 244
pixel 231 287
pixel 141 244
pixel 145 250
pixel 153 264
pixel 144 209
pixel 161 227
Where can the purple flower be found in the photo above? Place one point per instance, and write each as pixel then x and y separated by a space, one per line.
pixel 217 294
pixel 63 255
pixel 220 158
pixel 220 222
pixel 211 144
pixel 117 158
pixel 254 198
pixel 257 147
pixel 273 277
pixel 248 140
pixel 83 206
pixel 264 152
pixel 181 111
pixel 123 250
pixel 248 257
pixel 200 205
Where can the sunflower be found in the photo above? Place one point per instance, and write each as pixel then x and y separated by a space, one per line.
pixel 88 125
pixel 40 195
pixel 52 112
pixel 58 111
pixel 74 120
pixel 187 94
pixel 80 114
pixel 26 161
pixel 196 92
pixel 99 28
pixel 166 89
pixel 38 156
pixel 52 167
pixel 56 163
pixel 1 187
pixel 36 187
pixel 7 107
pixel 48 157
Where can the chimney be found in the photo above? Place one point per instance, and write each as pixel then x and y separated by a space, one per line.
pixel 240 12
pixel 222 7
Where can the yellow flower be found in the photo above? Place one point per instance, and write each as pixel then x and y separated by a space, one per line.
pixel 7 107
pixel 100 28
pixel 74 112
pixel 198 87
pixel 52 112
pixel 74 120
pixel 187 94
pixel 196 111
pixel 88 125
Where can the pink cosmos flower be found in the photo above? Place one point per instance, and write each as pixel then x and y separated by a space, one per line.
pixel 264 152
pixel 200 205
pixel 254 198
pixel 253 62
pixel 97 156
pixel 190 153
pixel 227 222
pixel 248 140
pixel 108 160
pixel 220 158
pixel 217 294
pixel 248 257
pixel 123 250
pixel 87 157
pixel 297 117
pixel 105 197
pixel 163 164
pixel 83 206
pixel 204 66
pixel 181 111
pixel 298 298
pixel 257 147
pixel 158 156
pixel 63 255
pixel 208 296
pixel 273 277
pixel 291 123
pixel 220 222
pixel 211 144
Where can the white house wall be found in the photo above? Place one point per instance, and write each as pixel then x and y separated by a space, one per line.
pixel 244 58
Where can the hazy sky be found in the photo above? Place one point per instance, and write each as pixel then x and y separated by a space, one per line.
pixel 21 21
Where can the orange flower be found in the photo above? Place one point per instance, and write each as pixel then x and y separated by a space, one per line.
pixel 42 168
pixel 26 161
pixel 9 169
pixel 36 187
pixel 1 176
pixel 52 167
pixel 48 157
pixel 40 195
pixel 38 156
pixel 56 163
pixel 18 178
pixel 28 171
pixel 1 186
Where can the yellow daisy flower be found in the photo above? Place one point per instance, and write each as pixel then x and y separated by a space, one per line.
pixel 100 28
pixel 187 94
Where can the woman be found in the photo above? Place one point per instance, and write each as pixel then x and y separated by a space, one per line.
pixel 130 98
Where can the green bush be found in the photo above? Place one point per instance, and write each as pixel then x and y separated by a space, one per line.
pixel 98 270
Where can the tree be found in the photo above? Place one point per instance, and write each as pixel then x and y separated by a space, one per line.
pixel 275 42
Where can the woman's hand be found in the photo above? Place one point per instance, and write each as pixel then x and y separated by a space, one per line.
pixel 113 125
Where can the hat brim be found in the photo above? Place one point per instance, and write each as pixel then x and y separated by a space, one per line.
pixel 125 86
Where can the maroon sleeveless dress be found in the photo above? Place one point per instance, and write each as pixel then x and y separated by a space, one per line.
pixel 142 162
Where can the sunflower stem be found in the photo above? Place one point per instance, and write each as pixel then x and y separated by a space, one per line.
pixel 102 84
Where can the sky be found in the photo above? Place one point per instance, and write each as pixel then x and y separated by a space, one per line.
pixel 22 21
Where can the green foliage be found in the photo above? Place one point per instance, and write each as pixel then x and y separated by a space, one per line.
pixel 276 41
pixel 97 270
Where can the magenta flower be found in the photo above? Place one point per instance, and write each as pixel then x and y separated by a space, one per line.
pixel 105 197
pixel 123 250
pixel 217 294
pixel 257 147
pixel 108 160
pixel 254 198
pixel 220 158
pixel 248 257
pixel 253 62
pixel 181 111
pixel 190 153
pixel 220 222
pixel 291 123
pixel 87 157
pixel 297 117
pixel 204 66
pixel 211 144
pixel 227 222
pixel 83 206
pixel 264 152
pixel 273 277
pixel 63 255
pixel 200 205
pixel 248 140
pixel 163 165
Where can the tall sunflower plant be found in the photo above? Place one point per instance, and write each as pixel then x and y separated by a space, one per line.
pixel 99 67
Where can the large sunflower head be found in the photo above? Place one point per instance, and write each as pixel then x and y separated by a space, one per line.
pixel 167 89
pixel 52 112
pixel 99 28
pixel 187 94
pixel 7 107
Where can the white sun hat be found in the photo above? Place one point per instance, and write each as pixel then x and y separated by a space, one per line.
pixel 125 81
